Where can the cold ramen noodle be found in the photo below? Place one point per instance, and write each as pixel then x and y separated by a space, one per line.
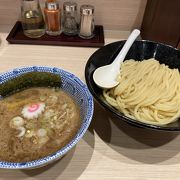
pixel 148 92
pixel 35 123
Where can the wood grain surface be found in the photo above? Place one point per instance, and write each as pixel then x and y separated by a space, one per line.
pixel 111 149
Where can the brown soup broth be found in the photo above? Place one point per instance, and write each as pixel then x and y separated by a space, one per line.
pixel 36 122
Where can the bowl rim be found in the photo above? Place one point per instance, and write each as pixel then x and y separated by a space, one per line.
pixel 5 76
pixel 115 112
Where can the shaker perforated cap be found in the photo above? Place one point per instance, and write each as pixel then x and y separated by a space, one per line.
pixel 87 9
pixel 52 5
pixel 69 6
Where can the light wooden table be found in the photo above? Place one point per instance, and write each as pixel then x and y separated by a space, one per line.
pixel 110 149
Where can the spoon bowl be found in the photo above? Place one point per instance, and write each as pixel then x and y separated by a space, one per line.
pixel 106 76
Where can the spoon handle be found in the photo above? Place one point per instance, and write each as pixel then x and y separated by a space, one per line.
pixel 122 54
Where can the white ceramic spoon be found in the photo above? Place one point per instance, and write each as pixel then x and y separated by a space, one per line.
pixel 105 76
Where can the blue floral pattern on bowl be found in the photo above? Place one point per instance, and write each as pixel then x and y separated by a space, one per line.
pixel 75 87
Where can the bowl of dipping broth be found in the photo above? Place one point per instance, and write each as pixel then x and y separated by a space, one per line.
pixel 44 112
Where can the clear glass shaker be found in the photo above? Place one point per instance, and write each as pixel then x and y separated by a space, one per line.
pixel 87 22
pixel 52 15
pixel 32 19
pixel 70 22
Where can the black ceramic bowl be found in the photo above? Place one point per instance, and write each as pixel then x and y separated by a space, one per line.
pixel 140 50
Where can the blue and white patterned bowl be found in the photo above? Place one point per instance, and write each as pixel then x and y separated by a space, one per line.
pixel 74 86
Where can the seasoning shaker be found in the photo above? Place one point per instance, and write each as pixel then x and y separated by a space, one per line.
pixel 70 24
pixel 86 30
pixel 32 19
pixel 52 15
